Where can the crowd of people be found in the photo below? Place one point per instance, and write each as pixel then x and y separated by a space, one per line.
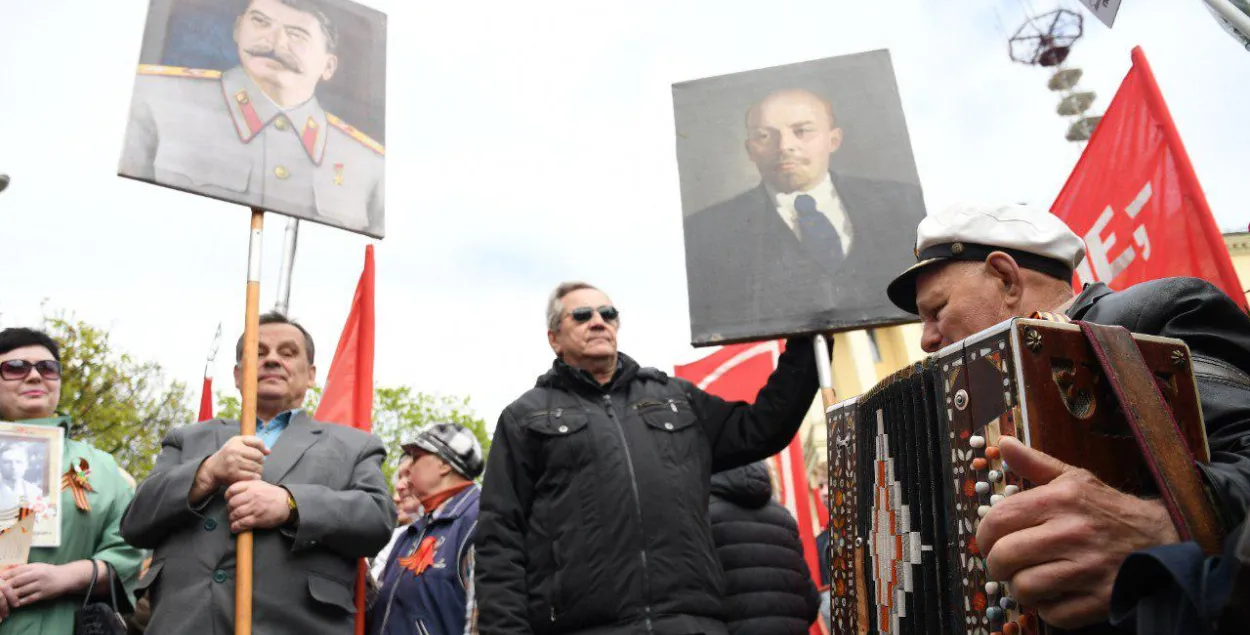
pixel 615 498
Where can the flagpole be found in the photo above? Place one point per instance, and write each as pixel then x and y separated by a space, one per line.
pixel 1226 10
pixel 824 372
pixel 206 395
pixel 247 419
pixel 289 244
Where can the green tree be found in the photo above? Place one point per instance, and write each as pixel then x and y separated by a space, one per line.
pixel 398 412
pixel 118 404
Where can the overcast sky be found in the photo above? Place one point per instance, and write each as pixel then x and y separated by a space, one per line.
pixel 529 143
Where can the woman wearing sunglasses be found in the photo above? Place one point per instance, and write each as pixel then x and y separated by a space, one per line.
pixel 43 595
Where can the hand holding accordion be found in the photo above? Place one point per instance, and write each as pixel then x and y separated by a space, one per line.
pixel 1060 544
pixel 926 478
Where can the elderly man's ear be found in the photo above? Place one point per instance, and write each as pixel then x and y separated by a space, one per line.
pixel 1006 272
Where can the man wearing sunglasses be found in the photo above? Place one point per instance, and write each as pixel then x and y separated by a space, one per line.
pixel 593 515
pixel 42 595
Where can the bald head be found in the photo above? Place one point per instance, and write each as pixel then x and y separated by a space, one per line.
pixel 790 135
pixel 791 96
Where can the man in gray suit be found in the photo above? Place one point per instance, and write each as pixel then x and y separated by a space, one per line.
pixel 256 133
pixel 313 493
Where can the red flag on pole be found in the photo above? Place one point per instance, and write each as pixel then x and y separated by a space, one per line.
pixel 206 392
pixel 206 399
pixel 738 372
pixel 1135 199
pixel 348 395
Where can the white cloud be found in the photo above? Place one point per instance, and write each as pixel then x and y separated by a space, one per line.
pixel 529 143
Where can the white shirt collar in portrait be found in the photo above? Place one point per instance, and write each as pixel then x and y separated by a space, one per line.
pixel 827 202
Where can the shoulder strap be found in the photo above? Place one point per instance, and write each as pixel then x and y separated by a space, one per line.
pixel 1157 435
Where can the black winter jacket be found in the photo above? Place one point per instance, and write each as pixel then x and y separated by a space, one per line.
pixel 768 589
pixel 1218 334
pixel 594 507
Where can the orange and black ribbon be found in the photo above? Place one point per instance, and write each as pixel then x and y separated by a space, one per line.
pixel 422 558
pixel 75 480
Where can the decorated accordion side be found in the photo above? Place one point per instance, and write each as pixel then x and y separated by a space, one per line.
pixel 914 464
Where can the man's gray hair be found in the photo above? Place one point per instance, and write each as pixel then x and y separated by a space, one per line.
pixel 555 305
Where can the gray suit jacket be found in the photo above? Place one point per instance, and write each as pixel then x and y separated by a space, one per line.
pixel 303 578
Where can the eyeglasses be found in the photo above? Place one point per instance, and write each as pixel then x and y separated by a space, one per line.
pixel 582 314
pixel 18 369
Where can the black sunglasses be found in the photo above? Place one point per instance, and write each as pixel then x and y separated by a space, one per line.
pixel 18 369
pixel 582 314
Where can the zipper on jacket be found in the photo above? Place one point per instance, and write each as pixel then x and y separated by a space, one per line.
pixel 633 484
pixel 672 404
pixel 399 574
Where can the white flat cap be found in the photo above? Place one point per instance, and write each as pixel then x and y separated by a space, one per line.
pixel 1036 238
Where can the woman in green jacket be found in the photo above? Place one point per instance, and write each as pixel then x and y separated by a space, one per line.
pixel 42 595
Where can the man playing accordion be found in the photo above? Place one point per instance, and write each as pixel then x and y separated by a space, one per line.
pixel 1061 543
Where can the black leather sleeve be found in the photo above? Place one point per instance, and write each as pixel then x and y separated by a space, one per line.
pixel 1217 331
pixel 741 433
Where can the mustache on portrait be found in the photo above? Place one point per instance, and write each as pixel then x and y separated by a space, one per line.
pixel 290 63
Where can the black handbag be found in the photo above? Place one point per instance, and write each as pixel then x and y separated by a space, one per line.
pixel 98 618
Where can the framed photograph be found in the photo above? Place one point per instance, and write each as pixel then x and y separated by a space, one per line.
pixel 800 198
pixel 30 477
pixel 275 104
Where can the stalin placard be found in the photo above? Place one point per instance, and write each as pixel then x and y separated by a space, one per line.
pixel 274 104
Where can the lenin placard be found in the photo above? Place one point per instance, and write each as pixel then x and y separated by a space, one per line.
pixel 800 198
pixel 273 104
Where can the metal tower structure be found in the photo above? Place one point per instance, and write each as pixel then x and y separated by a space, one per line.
pixel 1045 41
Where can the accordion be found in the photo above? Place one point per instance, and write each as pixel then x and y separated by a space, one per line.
pixel 913 465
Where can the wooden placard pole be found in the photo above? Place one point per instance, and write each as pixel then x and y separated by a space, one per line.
pixel 247 418
pixel 824 371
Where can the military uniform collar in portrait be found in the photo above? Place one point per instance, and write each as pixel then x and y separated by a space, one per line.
pixel 253 111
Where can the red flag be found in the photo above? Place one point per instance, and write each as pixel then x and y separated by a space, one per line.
pixel 348 395
pixel 206 399
pixel 738 372
pixel 1136 201
pixel 206 393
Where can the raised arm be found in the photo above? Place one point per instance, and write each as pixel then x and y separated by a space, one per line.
pixel 741 433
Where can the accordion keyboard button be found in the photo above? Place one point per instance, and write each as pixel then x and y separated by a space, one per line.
pixel 977 442
pixel 979 464
pixel 1007 604
pixel 983 488
pixel 995 499
pixel 1011 628
pixel 994 613
pixel 994 476
pixel 991 588
pixel 983 510
pixel 1011 490
pixel 991 452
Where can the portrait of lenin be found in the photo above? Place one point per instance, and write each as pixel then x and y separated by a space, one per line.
pixel 796 207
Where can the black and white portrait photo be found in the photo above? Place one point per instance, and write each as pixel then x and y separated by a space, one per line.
pixel 30 478
pixel 800 197
pixel 272 104
pixel 22 478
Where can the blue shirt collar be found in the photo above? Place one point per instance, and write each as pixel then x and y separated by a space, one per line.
pixel 280 421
